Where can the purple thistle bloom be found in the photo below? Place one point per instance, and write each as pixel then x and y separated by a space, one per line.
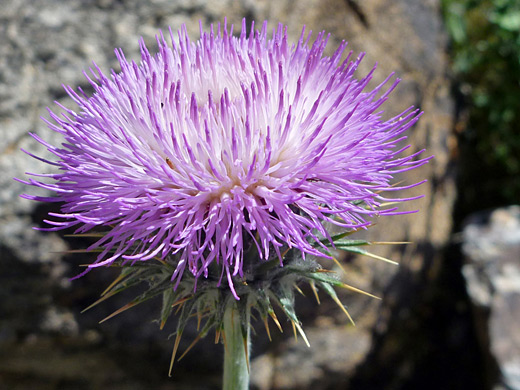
pixel 212 144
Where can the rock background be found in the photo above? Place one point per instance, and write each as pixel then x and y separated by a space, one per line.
pixel 423 326
pixel 491 244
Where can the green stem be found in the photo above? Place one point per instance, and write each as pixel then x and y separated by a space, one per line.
pixel 236 353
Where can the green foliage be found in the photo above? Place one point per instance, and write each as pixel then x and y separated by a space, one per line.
pixel 486 59
pixel 264 286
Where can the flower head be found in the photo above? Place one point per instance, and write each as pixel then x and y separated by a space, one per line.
pixel 209 147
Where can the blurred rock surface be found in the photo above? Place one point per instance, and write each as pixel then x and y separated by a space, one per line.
pixel 491 243
pixel 45 343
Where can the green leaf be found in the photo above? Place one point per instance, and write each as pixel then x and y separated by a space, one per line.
pixel 509 21
pixel 334 238
pixel 325 278
pixel 349 243
pixel 169 297
pixel 332 293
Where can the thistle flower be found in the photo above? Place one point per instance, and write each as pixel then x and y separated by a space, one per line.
pixel 224 161
pixel 209 148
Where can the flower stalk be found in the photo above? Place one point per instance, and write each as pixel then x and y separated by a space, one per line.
pixel 236 347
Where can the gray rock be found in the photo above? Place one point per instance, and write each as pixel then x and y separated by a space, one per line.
pixel 332 357
pixel 491 243
pixel 46 43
